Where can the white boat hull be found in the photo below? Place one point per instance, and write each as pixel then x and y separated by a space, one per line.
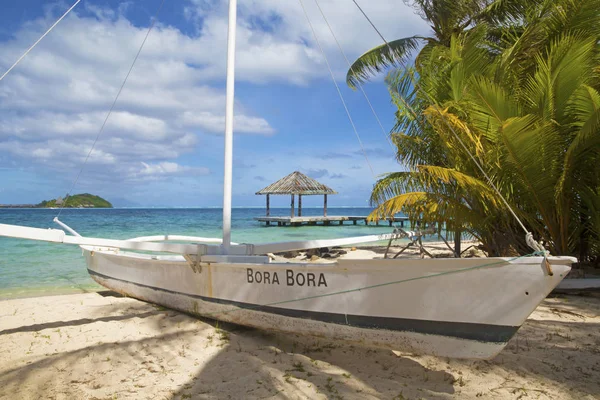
pixel 467 314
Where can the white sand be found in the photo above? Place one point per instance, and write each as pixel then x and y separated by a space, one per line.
pixel 99 346
pixel 87 346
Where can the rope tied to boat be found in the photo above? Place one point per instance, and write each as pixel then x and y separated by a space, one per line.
pixel 539 248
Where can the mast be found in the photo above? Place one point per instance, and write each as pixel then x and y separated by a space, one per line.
pixel 227 173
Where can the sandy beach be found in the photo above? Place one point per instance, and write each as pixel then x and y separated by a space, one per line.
pixel 103 346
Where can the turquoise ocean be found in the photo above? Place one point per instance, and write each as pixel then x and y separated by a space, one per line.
pixel 29 268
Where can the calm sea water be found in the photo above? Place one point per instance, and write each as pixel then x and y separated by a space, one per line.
pixel 29 268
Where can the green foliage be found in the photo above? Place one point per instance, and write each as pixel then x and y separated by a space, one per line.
pixel 520 87
pixel 84 200
pixel 446 18
pixel 383 56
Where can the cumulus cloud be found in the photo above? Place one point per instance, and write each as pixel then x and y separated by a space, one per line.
pixel 164 169
pixel 53 104
pixel 216 123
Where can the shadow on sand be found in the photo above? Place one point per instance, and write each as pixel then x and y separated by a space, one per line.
pixel 255 364
pixel 175 356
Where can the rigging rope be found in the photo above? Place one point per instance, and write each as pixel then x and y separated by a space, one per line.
pixel 154 19
pixel 39 40
pixel 363 91
pixel 531 242
pixel 337 87
pixel 359 86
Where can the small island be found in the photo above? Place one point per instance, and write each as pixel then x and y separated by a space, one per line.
pixel 84 200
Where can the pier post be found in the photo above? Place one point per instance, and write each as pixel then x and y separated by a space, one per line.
pixel 299 205
pixel 292 211
pixel 268 206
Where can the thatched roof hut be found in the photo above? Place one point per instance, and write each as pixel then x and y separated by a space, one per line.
pixel 299 184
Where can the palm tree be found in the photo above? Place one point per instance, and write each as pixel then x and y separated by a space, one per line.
pixel 442 184
pixel 525 101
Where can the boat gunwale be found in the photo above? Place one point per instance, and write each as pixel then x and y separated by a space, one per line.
pixel 493 261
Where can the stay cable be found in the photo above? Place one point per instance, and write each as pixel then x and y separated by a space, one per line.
pixel 112 106
pixel 39 40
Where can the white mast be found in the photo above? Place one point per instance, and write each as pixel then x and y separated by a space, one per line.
pixel 229 127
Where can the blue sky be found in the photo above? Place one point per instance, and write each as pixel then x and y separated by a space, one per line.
pixel 163 143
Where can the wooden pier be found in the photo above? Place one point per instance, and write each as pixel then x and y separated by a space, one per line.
pixel 328 220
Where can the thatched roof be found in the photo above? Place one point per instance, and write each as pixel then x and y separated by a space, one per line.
pixel 297 183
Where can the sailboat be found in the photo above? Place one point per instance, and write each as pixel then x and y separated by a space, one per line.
pixel 454 307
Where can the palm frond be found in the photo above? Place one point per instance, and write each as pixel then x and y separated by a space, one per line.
pixel 476 188
pixel 505 11
pixel 585 107
pixel 389 54
pixel 449 124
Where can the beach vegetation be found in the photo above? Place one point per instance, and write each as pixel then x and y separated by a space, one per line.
pixel 222 335
pixel 446 18
pixel 298 367
pixel 516 90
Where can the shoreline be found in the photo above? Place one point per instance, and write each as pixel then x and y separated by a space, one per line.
pixel 29 293
pixel 367 251
pixel 370 251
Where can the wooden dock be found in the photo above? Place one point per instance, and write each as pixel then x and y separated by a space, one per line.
pixel 328 220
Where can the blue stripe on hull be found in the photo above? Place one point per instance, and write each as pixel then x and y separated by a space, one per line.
pixel 463 330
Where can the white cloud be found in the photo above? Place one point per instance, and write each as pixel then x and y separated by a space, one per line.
pixel 216 123
pixel 53 104
pixel 275 43
pixel 163 169
pixel 52 125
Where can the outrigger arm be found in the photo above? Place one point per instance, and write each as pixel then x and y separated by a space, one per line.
pixel 59 236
